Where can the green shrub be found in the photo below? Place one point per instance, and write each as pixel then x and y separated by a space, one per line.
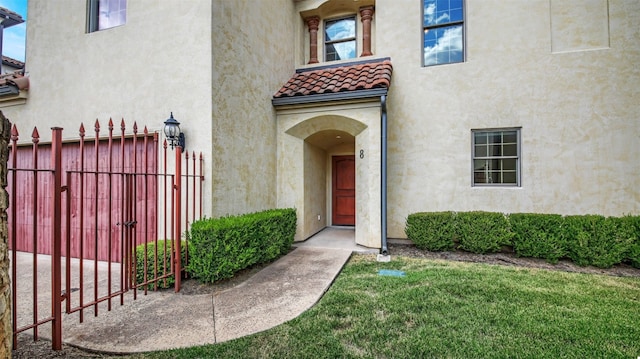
pixel 538 235
pixel 598 241
pixel 433 231
pixel 586 239
pixel 159 268
pixel 482 232
pixel 633 254
pixel 220 247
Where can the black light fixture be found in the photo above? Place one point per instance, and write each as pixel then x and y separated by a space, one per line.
pixel 172 132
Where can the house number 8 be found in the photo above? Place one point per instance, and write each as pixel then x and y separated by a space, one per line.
pixel 361 153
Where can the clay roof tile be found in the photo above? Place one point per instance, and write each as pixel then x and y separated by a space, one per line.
pixel 348 77
pixel 16 79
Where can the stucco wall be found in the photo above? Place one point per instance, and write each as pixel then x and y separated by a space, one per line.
pixel 252 58
pixel 315 195
pixel 215 64
pixel 578 110
pixel 158 62
pixel 568 80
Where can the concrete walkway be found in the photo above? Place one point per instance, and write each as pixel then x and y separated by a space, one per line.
pixel 165 320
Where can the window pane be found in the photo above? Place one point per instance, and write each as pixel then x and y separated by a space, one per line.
pixel 429 12
pixel 480 137
pixel 481 151
pixel 480 177
pixel 340 29
pixel 456 14
pixel 509 178
pixel 510 150
pixel 122 18
pixel 442 12
pixel 509 164
pixel 111 13
pixel 330 53
pixel 510 137
pixel 495 150
pixel 495 164
pixel 495 137
pixel 443 45
pixel 455 56
pixel 340 51
pixel 437 12
pixel 493 177
pixel 480 164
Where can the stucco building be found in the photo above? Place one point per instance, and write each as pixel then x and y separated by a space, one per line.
pixel 360 112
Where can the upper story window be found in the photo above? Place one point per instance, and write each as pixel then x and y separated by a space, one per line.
pixel 333 39
pixel 105 14
pixel 443 25
pixel 340 39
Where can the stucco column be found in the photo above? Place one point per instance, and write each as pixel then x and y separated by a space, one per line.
pixel 366 14
pixel 312 23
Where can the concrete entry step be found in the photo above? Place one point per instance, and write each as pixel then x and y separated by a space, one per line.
pixel 335 238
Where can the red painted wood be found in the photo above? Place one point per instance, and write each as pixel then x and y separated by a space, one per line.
pixel 96 195
pixel 344 190
pixel 105 185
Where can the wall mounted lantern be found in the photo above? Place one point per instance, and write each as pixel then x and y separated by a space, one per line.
pixel 172 132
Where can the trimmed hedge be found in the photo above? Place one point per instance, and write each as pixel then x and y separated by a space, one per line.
pixel 598 241
pixel 633 255
pixel 432 231
pixel 161 268
pixel 539 236
pixel 477 232
pixel 587 240
pixel 220 247
pixel 483 232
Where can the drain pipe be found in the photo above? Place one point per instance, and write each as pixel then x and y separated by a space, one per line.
pixel 383 200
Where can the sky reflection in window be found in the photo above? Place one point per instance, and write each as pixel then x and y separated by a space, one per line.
pixel 340 40
pixel 443 44
pixel 112 13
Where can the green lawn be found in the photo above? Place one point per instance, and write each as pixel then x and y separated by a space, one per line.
pixel 452 310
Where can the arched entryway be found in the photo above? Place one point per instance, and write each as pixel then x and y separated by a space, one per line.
pixel 328 169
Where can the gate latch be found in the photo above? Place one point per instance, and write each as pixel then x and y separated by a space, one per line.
pixel 130 223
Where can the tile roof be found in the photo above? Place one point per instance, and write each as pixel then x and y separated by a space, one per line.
pixel 11 13
pixel 6 60
pixel 16 79
pixel 10 18
pixel 334 79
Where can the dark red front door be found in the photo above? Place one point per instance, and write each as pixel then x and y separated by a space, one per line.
pixel 344 190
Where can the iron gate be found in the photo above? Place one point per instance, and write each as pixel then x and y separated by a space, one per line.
pixel 86 210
